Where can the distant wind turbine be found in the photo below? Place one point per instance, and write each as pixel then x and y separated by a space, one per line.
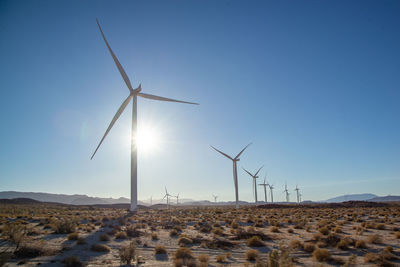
pixel 133 94
pixel 265 184
pixel 297 193
pixel 235 178
pixel 177 199
pixel 287 193
pixel 254 176
pixel 167 196
pixel 215 198
pixel 271 187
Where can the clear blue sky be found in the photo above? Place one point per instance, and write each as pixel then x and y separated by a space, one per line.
pixel 313 84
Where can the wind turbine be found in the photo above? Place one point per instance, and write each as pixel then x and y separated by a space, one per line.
pixel 271 187
pixel 297 193
pixel 235 178
pixel 177 199
pixel 215 198
pixel 265 184
pixel 133 94
pixel 167 196
pixel 287 193
pixel 254 176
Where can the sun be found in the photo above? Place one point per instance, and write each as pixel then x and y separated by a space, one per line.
pixel 147 139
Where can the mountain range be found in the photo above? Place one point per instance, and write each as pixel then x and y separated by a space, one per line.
pixel 87 200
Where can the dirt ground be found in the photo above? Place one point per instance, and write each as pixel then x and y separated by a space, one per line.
pixel 59 235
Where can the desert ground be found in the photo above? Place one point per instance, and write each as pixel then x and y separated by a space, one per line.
pixel 352 234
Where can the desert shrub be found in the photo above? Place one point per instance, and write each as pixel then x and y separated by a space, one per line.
pixel 290 230
pixel 104 237
pixel 397 235
pixel 255 241
pixel 308 247
pixel 178 262
pixel 374 239
pixel 185 241
pixel 81 241
pixel 204 259
pixel 73 236
pixel 15 233
pixel 121 235
pixel 191 263
pixel 295 244
pixel 324 230
pixel 273 259
pixel 173 233
pixel 380 226
pixel 72 261
pixel 133 231
pixel 218 231
pixel 100 248
pixel 160 250
pixel 275 229
pixel 127 253
pixel 183 254
pixel 343 244
pixel 221 258
pixel 154 236
pixel 251 254
pixel 234 225
pixel 321 254
pixel 63 226
pixel 371 257
pixel 30 250
pixel 360 244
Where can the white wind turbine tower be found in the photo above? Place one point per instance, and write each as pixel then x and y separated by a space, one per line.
pixel 133 94
pixel 254 176
pixel 215 198
pixel 297 193
pixel 177 199
pixel 167 196
pixel 271 187
pixel 265 184
pixel 287 193
pixel 235 178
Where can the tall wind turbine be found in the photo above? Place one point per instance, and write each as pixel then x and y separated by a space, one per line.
pixel 177 199
pixel 254 176
pixel 265 184
pixel 215 198
pixel 167 196
pixel 235 178
pixel 297 193
pixel 287 193
pixel 271 187
pixel 133 94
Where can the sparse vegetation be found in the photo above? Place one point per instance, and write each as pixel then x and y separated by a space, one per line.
pixel 251 254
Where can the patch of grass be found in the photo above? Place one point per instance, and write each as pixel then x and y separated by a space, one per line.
pixel 183 254
pixel 360 244
pixel 343 244
pixel 185 241
pixel 154 236
pixel 251 254
pixel 72 261
pixel 203 259
pixel 324 230
pixel 255 241
pixel 73 236
pixel 121 235
pixel 275 229
pixel 100 248
pixel 104 237
pixel 308 247
pixel 160 250
pixel 374 239
pixel 221 258
pixel 321 254
pixel 127 253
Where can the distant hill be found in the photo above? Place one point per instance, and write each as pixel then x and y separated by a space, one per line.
pixel 353 197
pixel 385 199
pixel 63 199
pixel 25 201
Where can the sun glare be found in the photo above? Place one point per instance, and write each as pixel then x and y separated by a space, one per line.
pixel 148 139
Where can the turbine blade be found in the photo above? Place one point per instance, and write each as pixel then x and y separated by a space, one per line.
pixel 119 66
pixel 116 116
pixel 223 153
pixel 259 170
pixel 160 98
pixel 240 153
pixel 247 172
